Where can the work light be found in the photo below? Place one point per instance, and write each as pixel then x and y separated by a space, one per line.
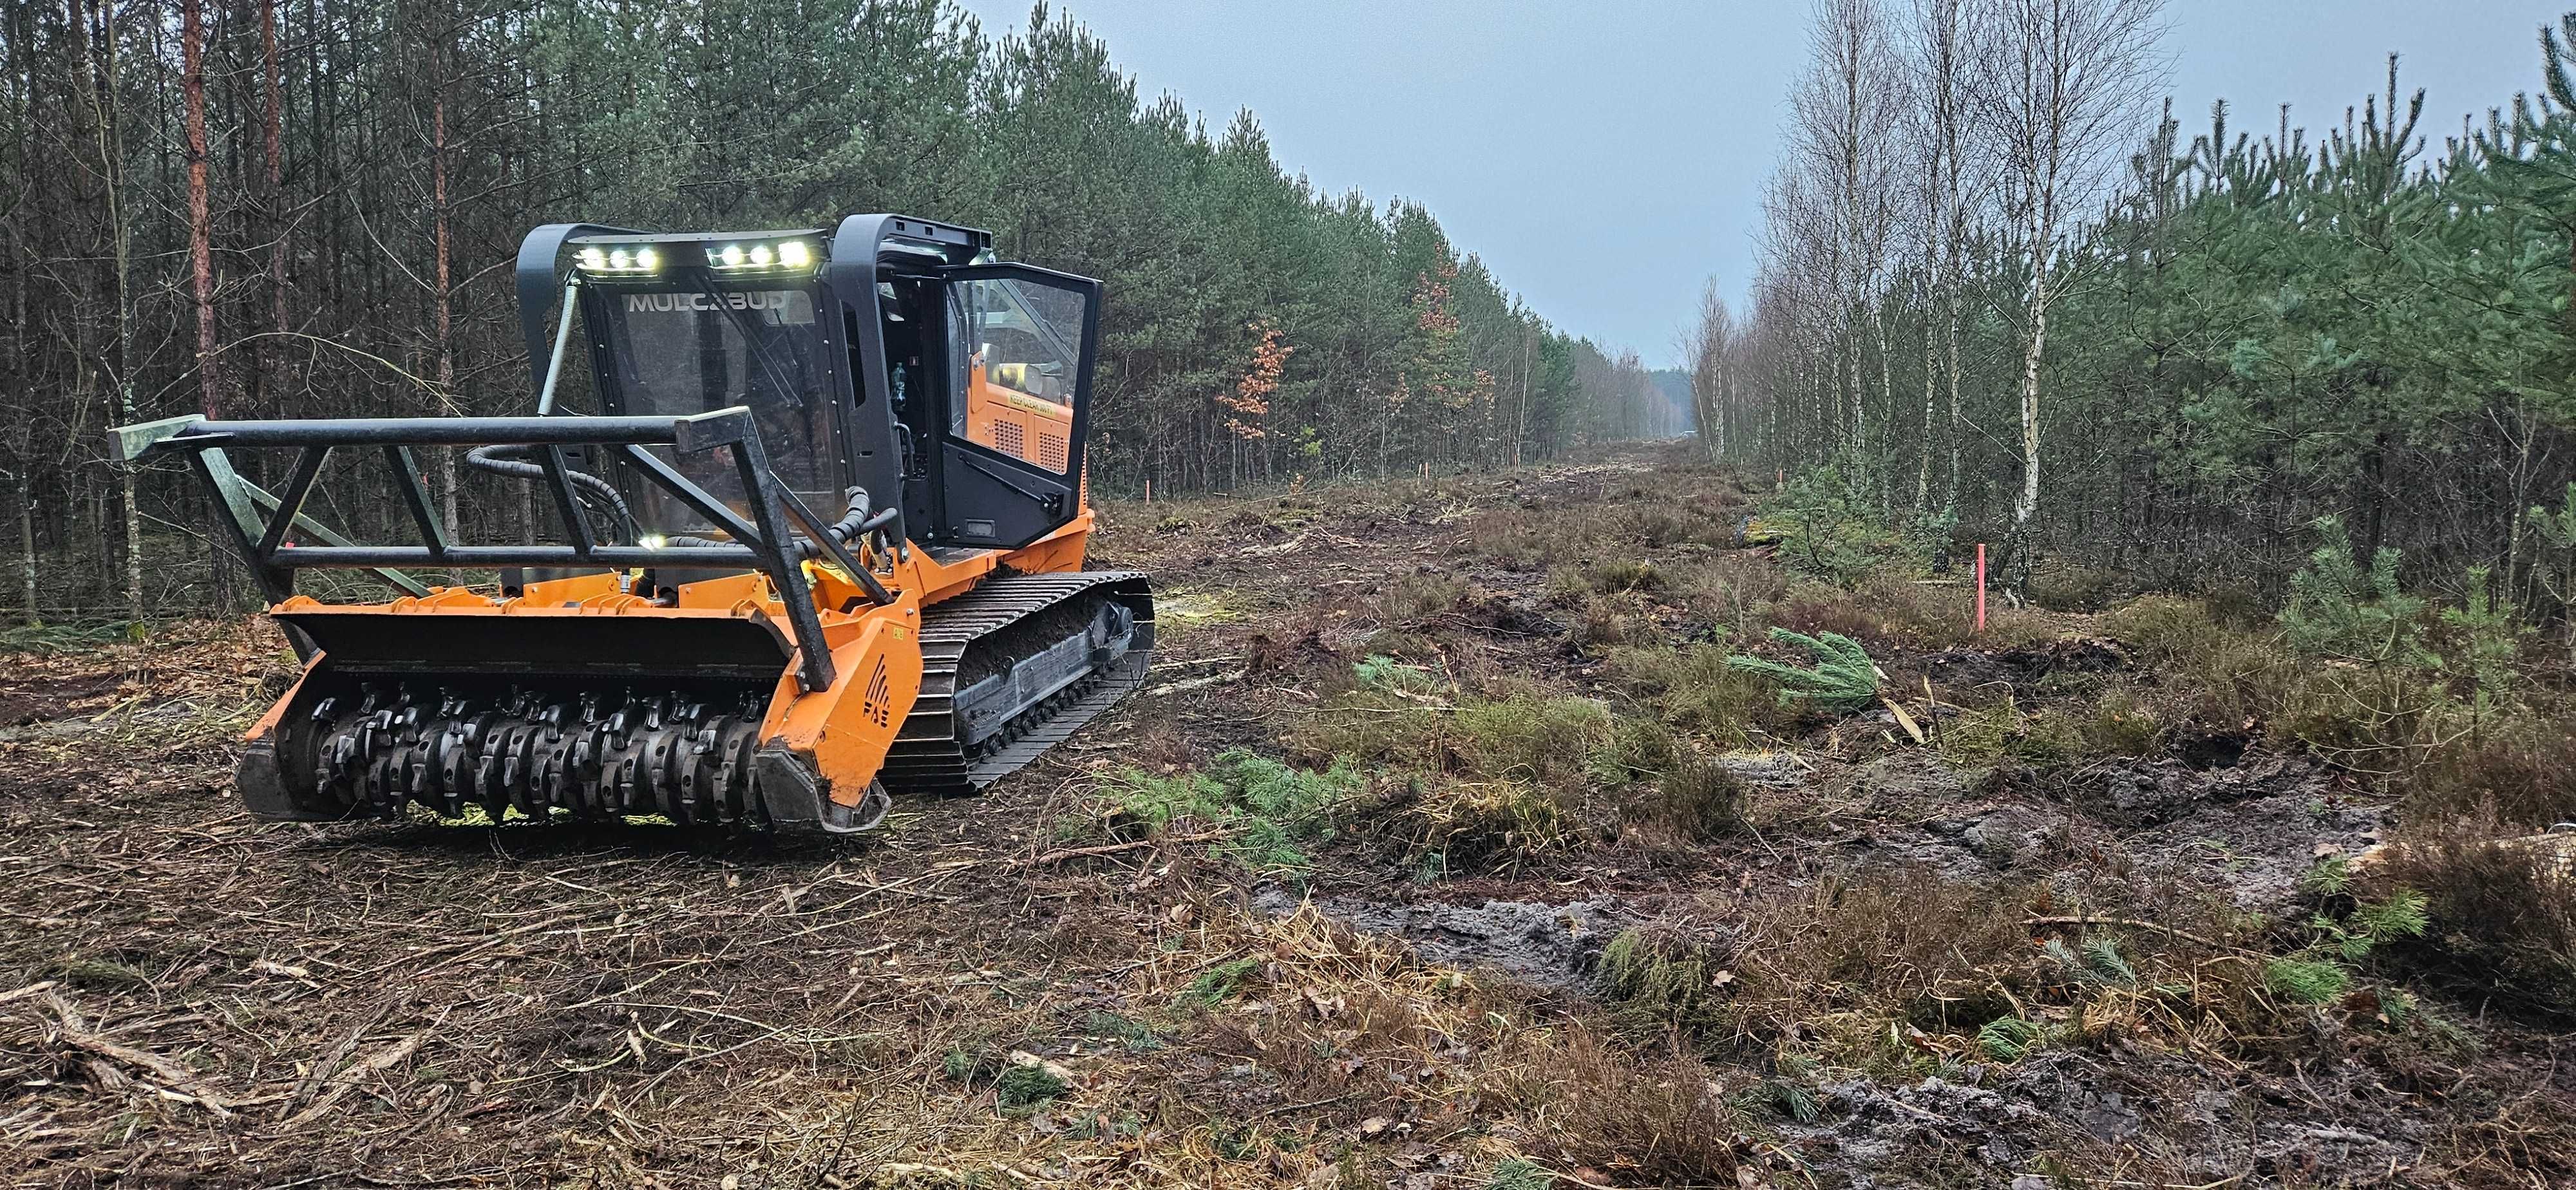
pixel 758 257
pixel 627 261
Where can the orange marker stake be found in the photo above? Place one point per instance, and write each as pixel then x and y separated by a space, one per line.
pixel 1981 587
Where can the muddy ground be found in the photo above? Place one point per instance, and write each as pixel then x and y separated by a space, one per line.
pixel 1023 989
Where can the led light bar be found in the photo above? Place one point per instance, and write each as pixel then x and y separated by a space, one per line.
pixel 619 261
pixel 760 256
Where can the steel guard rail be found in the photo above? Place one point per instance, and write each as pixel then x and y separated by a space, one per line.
pixel 762 542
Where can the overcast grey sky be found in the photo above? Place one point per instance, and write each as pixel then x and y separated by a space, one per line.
pixel 1605 157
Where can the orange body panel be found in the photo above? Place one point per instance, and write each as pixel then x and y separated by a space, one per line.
pixel 1017 420
pixel 847 729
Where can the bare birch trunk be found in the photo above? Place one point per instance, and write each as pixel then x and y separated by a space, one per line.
pixel 27 567
pixel 111 153
pixel 1923 460
pixel 2028 502
pixel 1958 416
pixel 1886 376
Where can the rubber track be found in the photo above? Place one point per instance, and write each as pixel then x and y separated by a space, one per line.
pixel 928 757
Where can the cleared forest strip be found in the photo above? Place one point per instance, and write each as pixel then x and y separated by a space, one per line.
pixel 1477 863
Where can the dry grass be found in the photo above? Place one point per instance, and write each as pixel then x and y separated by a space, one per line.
pixel 1609 621
pixel 2116 721
pixel 1904 946
pixel 2502 904
pixel 1668 980
pixel 1450 826
pixel 1698 512
pixel 1891 608
pixel 2520 764
pixel 1353 1028
pixel 1537 740
pixel 1692 800
pixel 2406 727
pixel 1590 1109
pixel 1698 693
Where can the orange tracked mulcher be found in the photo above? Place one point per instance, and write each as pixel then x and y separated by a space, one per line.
pixel 814 536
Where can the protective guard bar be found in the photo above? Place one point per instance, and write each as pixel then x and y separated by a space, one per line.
pixel 762 542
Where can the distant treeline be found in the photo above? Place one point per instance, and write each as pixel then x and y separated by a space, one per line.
pixel 2161 347
pixel 308 207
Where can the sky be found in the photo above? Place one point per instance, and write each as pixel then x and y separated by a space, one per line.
pixel 1606 158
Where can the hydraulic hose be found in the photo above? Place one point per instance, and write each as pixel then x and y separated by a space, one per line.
pixel 852 525
pixel 859 520
pixel 847 528
pixel 512 461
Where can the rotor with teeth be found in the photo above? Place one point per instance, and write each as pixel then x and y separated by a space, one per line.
pixel 587 754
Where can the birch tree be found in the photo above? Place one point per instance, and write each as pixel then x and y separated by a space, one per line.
pixel 2062 88
pixel 1942 148
pixel 1707 349
pixel 1845 117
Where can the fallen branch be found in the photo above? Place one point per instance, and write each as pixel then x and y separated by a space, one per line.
pixel 347 1080
pixel 323 1071
pixel 1903 720
pixel 33 989
pixel 174 1077
pixel 2131 923
pixel 1161 666
pixel 1200 683
pixel 1057 857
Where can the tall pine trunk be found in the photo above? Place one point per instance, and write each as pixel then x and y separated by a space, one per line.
pixel 201 221
pixel 21 27
pixel 273 134
pixel 442 316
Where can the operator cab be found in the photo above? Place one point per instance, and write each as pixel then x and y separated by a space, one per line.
pixel 888 354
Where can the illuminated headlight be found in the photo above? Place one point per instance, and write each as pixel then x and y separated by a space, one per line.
pixel 628 261
pixel 788 255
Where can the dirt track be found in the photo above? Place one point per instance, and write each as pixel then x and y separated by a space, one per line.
pixel 203 1000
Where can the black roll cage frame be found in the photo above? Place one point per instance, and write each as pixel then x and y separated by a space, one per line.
pixel 762 541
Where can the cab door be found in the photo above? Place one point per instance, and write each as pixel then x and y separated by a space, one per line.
pixel 1021 344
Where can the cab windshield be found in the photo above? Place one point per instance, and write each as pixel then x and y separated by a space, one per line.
pixel 685 352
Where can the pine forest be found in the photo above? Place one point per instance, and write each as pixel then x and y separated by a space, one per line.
pixel 308 207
